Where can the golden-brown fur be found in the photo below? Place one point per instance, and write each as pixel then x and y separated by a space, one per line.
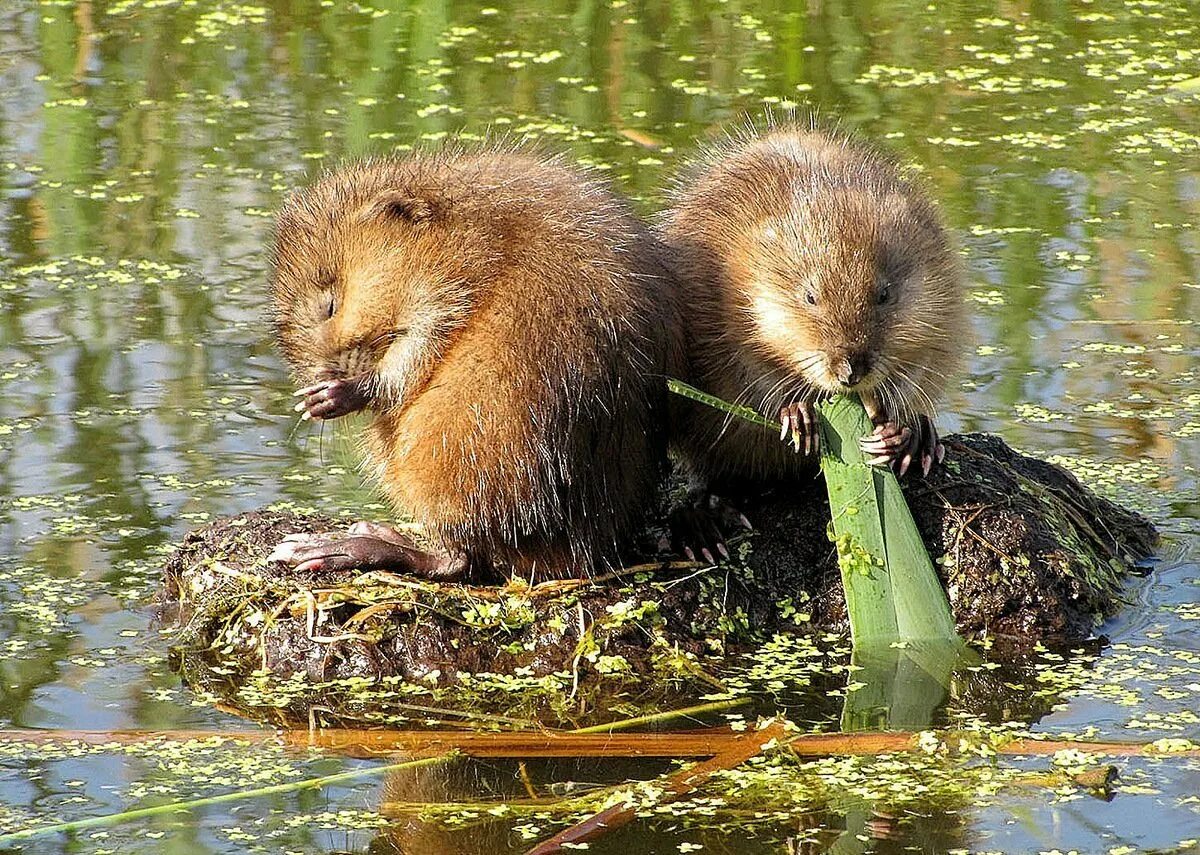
pixel 760 223
pixel 510 313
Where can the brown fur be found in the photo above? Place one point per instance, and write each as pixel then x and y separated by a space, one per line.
pixel 510 312
pixel 758 222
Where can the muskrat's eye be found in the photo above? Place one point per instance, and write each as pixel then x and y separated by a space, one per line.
pixel 332 307
pixel 810 297
pixel 885 293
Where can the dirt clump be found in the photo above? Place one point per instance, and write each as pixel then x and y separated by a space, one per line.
pixel 1024 550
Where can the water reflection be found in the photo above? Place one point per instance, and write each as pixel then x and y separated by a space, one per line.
pixel 143 146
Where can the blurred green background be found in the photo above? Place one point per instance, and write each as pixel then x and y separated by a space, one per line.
pixel 145 143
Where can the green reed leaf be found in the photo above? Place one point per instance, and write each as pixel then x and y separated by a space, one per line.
pixel 892 591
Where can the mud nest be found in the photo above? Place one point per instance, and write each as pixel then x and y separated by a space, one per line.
pixel 1024 550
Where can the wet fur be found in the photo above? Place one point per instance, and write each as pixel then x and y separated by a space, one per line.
pixel 521 418
pixel 756 220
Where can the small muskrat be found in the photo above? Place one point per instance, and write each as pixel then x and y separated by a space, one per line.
pixel 505 318
pixel 810 266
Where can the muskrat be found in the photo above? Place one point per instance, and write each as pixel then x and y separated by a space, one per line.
pixel 507 321
pixel 809 265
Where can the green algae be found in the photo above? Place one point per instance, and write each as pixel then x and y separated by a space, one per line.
pixel 139 401
pixel 174 771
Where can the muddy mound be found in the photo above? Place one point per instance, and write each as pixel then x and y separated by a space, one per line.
pixel 1024 551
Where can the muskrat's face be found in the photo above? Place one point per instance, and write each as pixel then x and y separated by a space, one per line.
pixel 366 286
pixel 849 286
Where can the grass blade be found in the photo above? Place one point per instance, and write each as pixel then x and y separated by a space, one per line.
pixel 750 415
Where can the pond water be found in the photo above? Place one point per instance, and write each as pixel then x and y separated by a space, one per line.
pixel 143 147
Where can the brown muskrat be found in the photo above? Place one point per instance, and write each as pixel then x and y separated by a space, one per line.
pixel 809 266
pixel 506 320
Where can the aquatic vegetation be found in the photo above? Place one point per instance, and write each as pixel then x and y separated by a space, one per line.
pixel 892 593
pixel 144 145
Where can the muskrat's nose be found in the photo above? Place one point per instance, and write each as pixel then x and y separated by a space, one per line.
pixel 852 368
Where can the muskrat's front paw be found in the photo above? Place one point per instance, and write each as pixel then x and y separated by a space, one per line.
pixel 800 420
pixel 331 399
pixel 899 446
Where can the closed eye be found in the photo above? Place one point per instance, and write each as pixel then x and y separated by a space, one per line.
pixel 391 335
pixel 384 340
pixel 327 282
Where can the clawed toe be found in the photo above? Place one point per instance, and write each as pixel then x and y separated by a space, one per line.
pixel 367 546
pixel 886 439
pixel 287 549
pixel 300 537
pixel 800 420
pixel 695 533
pixel 380 531
pixel 332 398
pixel 700 528
pixel 901 446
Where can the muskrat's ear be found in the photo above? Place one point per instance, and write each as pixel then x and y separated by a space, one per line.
pixel 404 205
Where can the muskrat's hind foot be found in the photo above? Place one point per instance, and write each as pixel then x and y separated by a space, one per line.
pixel 800 420
pixel 367 546
pixel 701 525
pixel 899 446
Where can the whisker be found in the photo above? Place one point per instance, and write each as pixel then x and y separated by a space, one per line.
pixel 896 372
pixel 295 427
